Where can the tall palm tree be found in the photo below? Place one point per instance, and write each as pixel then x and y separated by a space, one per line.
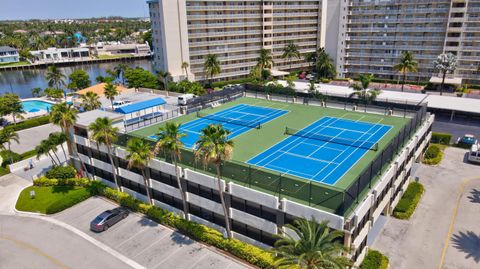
pixel 139 155
pixel 185 68
pixel 290 51
pixel 169 140
pixel 105 134
pixel 44 148
pixel 311 58
pixel 316 247
pixel 55 77
pixel 406 64
pixel 211 66
pixel 264 60
pixel 361 89
pixel 120 72
pixel 58 138
pixel 214 146
pixel 110 91
pixel 163 77
pixel 324 65
pixel 90 101
pixel 7 136
pixel 445 63
pixel 36 92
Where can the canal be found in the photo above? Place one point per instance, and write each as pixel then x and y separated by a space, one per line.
pixel 21 82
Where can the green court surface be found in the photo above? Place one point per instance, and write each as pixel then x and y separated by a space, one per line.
pixel 256 141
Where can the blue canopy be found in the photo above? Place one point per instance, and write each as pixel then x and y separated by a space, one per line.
pixel 140 106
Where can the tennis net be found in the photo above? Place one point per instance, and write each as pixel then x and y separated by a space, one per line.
pixel 251 124
pixel 343 141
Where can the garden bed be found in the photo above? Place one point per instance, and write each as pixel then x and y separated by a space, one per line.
pixel 408 203
pixel 433 154
pixel 374 260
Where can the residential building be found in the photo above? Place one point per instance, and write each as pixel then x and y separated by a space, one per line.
pixel 8 55
pixel 117 48
pixel 60 54
pixel 362 36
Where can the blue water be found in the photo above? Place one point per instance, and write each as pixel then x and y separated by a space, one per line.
pixel 36 106
pixel 324 160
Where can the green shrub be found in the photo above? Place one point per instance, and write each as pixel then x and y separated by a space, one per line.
pixel 374 260
pixel 45 182
pixel 67 201
pixel 221 84
pixel 325 80
pixel 441 138
pixel 433 155
pixel 30 123
pixel 406 206
pixel 9 156
pixel 4 171
pixel 28 154
pixel 61 172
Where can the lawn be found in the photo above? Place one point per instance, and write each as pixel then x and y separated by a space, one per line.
pixel 14 64
pixel 117 56
pixel 50 200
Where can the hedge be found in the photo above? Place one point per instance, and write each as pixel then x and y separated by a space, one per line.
pixel 221 84
pixel 68 201
pixel 47 182
pixel 374 260
pixel 4 171
pixel 433 155
pixel 441 138
pixel 34 122
pixel 406 206
pixel 8 156
pixel 61 172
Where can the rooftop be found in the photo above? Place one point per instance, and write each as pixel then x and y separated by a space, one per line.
pixel 131 108
pixel 7 49
pixel 99 89
pixel 84 119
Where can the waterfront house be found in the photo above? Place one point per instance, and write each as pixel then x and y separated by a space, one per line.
pixel 60 54
pixel 8 55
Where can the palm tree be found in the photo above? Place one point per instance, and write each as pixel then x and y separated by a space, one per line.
pixel 44 148
pixel 290 51
pixel 169 140
pixel 36 92
pixel 105 134
pixel 7 135
pixel 120 72
pixel 311 58
pixel 316 247
pixel 90 101
pixel 55 77
pixel 445 63
pixel 139 155
pixel 110 91
pixel 58 138
pixel 213 146
pixel 325 67
pixel 211 66
pixel 407 64
pixel 264 60
pixel 361 89
pixel 185 68
pixel 163 77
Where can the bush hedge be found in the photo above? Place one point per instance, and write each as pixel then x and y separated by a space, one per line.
pixel 221 84
pixel 441 138
pixel 34 122
pixel 4 171
pixel 433 155
pixel 46 182
pixel 407 204
pixel 80 194
pixel 61 172
pixel 374 260
pixel 8 156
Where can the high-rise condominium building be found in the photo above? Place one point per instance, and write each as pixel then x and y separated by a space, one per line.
pixel 361 36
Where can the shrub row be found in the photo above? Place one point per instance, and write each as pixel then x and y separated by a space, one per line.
pixel 4 171
pixel 30 123
pixel 61 172
pixel 78 195
pixel 48 182
pixel 199 232
pixel 406 206
pixel 374 260
pixel 433 155
pixel 221 84
pixel 441 138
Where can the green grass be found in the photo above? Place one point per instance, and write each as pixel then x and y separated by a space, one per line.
pixel 117 56
pixel 14 64
pixel 50 200
pixel 255 141
pixel 4 171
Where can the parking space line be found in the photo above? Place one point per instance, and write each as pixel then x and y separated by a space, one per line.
pixel 174 252
pixel 151 245
pixel 131 237
pixel 200 258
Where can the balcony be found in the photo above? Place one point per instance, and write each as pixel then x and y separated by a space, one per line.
pixel 224 16
pixel 224 42
pixel 223 7
pixel 223 25
pixel 226 33
pixel 296 14
pixel 295 30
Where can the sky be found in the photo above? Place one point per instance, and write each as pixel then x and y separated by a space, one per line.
pixel 60 9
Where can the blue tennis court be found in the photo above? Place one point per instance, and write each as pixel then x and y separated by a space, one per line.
pixel 238 120
pixel 323 151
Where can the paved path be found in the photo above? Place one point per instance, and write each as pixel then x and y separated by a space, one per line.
pixel 29 138
pixel 10 187
pixel 420 241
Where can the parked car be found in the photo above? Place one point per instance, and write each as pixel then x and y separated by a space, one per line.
pixel 474 154
pixel 107 219
pixel 467 140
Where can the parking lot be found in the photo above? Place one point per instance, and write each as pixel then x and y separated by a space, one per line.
pixel 146 242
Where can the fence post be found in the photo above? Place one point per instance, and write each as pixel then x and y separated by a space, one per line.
pixel 280 187
pixel 310 193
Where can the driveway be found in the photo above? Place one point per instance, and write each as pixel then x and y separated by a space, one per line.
pixel 10 187
pixel 444 231
pixel 29 138
pixel 144 241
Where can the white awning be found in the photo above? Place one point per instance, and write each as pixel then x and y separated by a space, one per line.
pixel 278 73
pixel 453 81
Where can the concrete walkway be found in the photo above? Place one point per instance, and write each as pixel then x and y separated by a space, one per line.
pixel 425 241
pixel 10 187
pixel 29 138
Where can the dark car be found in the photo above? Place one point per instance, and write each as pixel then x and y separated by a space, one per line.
pixel 108 218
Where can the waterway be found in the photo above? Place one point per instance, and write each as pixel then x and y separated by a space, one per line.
pixel 21 82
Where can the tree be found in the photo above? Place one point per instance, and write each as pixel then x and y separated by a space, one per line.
pixel 7 135
pixel 10 104
pixel 102 79
pixel 311 58
pixel 291 81
pixel 120 71
pixel 163 77
pixel 54 93
pixel 55 77
pixel 36 92
pixel 58 138
pixel 316 247
pixel 213 146
pixel 324 65
pixel 44 148
pixel 264 60
pixel 290 51
pixel 139 154
pixel 211 66
pixel 406 64
pixel 140 78
pixel 169 141
pixel 79 80
pixel 90 101
pixel 105 134
pixel 445 63
pixel 110 91
pixel 361 89
pixel 185 68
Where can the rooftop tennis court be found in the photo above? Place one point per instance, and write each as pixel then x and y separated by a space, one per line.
pixel 238 120
pixel 323 151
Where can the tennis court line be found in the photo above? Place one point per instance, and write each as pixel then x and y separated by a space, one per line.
pixel 304 157
pixel 315 145
pixel 282 169
pixel 199 121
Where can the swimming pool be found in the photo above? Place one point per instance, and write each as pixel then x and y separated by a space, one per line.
pixel 36 106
